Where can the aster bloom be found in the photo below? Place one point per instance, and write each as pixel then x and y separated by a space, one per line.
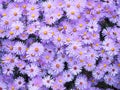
pixel 45 33
pixel 31 29
pixel 68 76
pixel 72 12
pixel 36 48
pixel 19 82
pixel 81 82
pixel 58 39
pixel 48 81
pixel 32 70
pixel 8 69
pixel 5 22
pixel 75 69
pixel 17 28
pixel 2 32
pixel 19 48
pixel 98 74
pixel 35 83
pixel 33 15
pixel 92 26
pixel 109 79
pixel 47 57
pixel 113 70
pixel 3 86
pixel 57 66
pixel 73 48
pixel 49 5
pixel 9 59
pixel 15 13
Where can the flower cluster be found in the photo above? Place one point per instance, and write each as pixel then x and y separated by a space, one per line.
pixel 59 44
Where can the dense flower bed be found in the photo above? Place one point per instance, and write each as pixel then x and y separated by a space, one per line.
pixel 59 45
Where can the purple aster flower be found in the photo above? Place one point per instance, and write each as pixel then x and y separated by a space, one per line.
pixel 19 82
pixel 17 27
pixel 73 48
pixel 75 69
pixel 109 79
pixel 57 66
pixel 58 39
pixel 56 86
pixel 49 5
pixel 60 4
pixel 19 48
pixel 8 69
pixel 81 82
pixel 31 29
pixel 5 22
pixel 35 83
pixel 23 36
pixel 15 13
pixel 3 86
pixel 72 13
pixel 9 59
pixel 2 32
pixel 98 74
pixel 45 33
pixel 12 86
pixel 33 15
pixel 68 76
pixel 47 57
pixel 48 81
pixel 113 70
pixel 36 48
pixel 60 80
pixel 92 26
pixel 32 70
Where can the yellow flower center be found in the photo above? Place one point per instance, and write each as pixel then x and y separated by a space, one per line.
pixel 60 80
pixel 74 30
pixel 11 33
pixel 32 8
pixel 24 6
pixel 105 65
pixel 59 14
pixel 1 31
pixel 72 12
pixel 45 32
pixel 65 27
pixel 17 27
pixel 81 25
pixel 60 4
pixel 30 30
pixel 57 65
pixel 78 5
pixel 36 49
pixel 68 39
pixel 33 15
pixel 89 65
pixel 81 53
pixel 4 14
pixel 112 49
pixel 15 13
pixel 49 6
pixel 6 22
pixel 81 60
pixel 47 57
pixel 59 39
pixel 13 88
